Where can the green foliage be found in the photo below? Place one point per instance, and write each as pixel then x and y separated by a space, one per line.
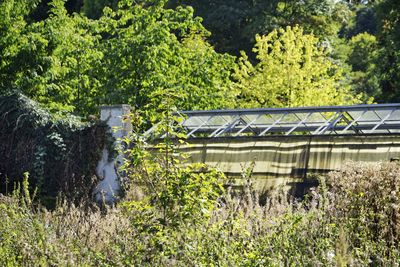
pixel 369 207
pixel 51 61
pixel 59 152
pixel 180 191
pixel 69 62
pixel 293 70
pixel 364 51
pixel 151 49
pixel 234 23
pixel 12 24
pixel 388 13
pixel 363 59
pixel 352 222
pixel 137 48
pixel 364 21
pixel 94 8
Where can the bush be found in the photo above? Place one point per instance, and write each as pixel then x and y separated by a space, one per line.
pixel 181 192
pixel 365 199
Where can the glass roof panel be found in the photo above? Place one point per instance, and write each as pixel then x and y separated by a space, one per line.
pixel 195 121
pixel 316 117
pixel 290 119
pixel 265 119
pixel 395 116
pixel 383 114
pixel 314 120
pixel 368 116
pixel 219 120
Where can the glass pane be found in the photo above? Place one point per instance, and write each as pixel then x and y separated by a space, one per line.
pixel 395 116
pixel 369 116
pixel 195 121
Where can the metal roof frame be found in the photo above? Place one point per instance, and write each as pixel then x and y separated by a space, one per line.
pixel 325 120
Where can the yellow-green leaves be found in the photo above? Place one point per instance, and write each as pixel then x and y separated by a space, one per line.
pixel 293 70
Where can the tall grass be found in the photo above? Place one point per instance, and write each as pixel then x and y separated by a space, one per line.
pixel 351 219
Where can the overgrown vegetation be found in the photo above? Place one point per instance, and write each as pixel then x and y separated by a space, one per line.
pixel 69 62
pixel 353 220
pixel 59 152
pixel 77 55
pixel 71 56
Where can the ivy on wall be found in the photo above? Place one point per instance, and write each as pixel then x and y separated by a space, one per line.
pixel 59 152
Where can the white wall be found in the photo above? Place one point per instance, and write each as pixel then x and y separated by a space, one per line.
pixel 108 188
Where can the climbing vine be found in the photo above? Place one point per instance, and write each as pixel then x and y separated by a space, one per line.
pixel 60 152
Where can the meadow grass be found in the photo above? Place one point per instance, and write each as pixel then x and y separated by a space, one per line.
pixel 350 219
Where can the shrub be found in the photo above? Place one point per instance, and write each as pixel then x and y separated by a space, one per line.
pixel 181 192
pixel 365 199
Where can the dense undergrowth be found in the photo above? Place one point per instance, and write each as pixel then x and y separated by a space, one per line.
pixel 59 151
pixel 352 219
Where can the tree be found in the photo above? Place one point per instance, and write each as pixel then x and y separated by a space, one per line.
pixel 293 70
pixel 234 23
pixel 388 13
pixel 363 21
pixel 130 55
pixel 52 60
pixel 362 59
pixel 12 39
pixel 94 8
pixel 174 189
pixel 149 49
